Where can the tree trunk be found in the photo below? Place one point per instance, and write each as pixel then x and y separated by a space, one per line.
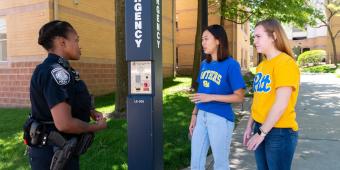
pixel 223 6
pixel 121 64
pixel 198 48
pixel 334 57
pixel 334 52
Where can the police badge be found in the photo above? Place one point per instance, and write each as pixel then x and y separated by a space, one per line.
pixel 61 76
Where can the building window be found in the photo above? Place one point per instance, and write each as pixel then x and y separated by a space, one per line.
pixel 176 57
pixel 305 49
pixel 177 23
pixel 243 27
pixel 3 39
pixel 299 38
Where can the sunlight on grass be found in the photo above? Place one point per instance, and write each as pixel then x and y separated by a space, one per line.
pixel 183 84
pixel 10 142
pixel 252 70
pixel 106 109
pixel 12 151
pixel 121 167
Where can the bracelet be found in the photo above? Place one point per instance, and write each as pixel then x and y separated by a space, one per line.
pixel 194 114
pixel 262 131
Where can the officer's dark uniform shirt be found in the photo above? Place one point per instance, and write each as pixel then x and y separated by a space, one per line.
pixel 53 82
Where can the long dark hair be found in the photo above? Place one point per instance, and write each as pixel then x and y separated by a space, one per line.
pixel 223 48
pixel 51 30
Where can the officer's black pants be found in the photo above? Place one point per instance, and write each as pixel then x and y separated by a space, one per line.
pixel 40 159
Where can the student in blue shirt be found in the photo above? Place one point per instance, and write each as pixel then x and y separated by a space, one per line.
pixel 220 84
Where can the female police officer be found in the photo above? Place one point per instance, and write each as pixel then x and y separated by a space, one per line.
pixel 57 94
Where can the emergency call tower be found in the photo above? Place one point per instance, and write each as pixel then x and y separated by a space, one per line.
pixel 143 30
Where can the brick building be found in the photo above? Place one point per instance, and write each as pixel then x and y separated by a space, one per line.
pixel 20 21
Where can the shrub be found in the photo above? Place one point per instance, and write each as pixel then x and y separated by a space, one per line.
pixel 320 69
pixel 337 72
pixel 314 57
pixel 249 80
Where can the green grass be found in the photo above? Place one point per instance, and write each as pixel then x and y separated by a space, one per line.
pixel 177 110
pixel 109 151
pixel 105 104
pixel 12 148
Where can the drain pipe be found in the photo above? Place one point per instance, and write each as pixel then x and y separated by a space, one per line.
pixel 174 51
pixel 55 9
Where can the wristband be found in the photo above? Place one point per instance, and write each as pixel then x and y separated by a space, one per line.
pixel 261 132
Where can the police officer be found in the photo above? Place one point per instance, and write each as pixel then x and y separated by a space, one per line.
pixel 58 95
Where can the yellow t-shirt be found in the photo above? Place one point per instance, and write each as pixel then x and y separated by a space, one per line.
pixel 277 72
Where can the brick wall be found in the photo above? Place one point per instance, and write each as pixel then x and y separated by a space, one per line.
pixel 15 80
pixel 14 84
pixel 99 77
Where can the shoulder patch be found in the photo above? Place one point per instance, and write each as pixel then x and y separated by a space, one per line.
pixel 60 75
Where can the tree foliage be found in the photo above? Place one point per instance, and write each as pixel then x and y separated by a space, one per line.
pixel 298 12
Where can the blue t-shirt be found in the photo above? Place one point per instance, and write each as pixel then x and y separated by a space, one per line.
pixel 223 78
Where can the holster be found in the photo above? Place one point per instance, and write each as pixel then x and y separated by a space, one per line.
pixel 35 133
pixel 84 142
pixel 63 153
pixel 73 147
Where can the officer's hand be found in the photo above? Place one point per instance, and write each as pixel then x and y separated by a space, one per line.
pixel 95 115
pixel 101 124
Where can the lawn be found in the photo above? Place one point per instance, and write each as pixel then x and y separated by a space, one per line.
pixel 12 149
pixel 109 150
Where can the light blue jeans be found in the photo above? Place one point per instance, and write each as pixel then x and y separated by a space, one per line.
pixel 215 131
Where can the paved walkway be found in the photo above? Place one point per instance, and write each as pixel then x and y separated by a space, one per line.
pixel 318 116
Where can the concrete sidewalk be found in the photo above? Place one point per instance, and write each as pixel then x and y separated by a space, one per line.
pixel 318 115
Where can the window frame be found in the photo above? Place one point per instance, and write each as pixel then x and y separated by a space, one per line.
pixel 4 52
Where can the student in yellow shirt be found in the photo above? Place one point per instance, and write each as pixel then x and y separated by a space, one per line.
pixel 276 88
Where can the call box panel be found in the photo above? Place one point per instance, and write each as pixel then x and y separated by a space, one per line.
pixel 140 77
